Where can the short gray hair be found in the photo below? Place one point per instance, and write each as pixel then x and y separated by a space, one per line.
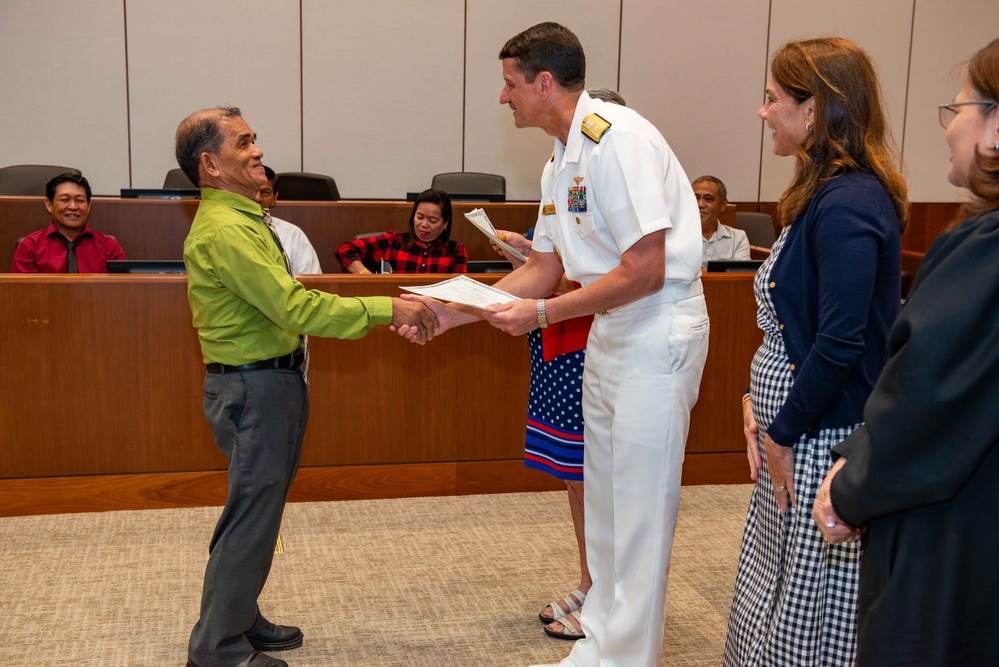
pixel 607 95
pixel 200 133
pixel 722 191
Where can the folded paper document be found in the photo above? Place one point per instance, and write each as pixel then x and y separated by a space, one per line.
pixel 465 291
pixel 481 221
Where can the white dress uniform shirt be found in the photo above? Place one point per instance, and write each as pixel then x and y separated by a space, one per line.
pixel 634 186
pixel 643 367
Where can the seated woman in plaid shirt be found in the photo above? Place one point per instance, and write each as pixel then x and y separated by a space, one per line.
pixel 425 248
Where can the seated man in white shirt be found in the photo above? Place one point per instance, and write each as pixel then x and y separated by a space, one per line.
pixel 301 253
pixel 720 241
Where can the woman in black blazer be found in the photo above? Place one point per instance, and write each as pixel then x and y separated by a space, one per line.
pixel 923 474
pixel 826 298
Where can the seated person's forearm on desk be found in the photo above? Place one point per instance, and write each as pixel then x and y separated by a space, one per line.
pixel 357 267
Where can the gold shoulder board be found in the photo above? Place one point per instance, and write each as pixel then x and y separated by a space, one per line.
pixel 594 127
pixel 552 158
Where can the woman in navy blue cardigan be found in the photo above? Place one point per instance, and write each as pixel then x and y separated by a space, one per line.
pixel 826 297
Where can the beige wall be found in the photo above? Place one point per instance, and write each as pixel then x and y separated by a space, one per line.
pixel 186 55
pixel 883 28
pixel 699 77
pixel 492 143
pixel 63 96
pixel 382 95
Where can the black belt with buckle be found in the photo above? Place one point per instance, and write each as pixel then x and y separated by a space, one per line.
pixel 293 360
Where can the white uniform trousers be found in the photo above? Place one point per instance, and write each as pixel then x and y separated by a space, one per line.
pixel 641 378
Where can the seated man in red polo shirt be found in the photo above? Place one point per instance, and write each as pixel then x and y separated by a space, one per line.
pixel 67 245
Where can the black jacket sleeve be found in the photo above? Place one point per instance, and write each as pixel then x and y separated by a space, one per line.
pixel 931 417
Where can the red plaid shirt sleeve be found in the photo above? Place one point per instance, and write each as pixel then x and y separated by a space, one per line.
pixel 360 250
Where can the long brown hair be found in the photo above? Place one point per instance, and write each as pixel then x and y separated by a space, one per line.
pixel 851 130
pixel 983 181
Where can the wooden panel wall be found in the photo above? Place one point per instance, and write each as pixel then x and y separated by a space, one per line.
pixel 103 382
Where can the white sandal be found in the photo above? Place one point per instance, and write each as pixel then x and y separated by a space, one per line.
pixel 574 602
pixel 569 631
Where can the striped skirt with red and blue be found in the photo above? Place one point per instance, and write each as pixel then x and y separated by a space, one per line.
pixel 555 413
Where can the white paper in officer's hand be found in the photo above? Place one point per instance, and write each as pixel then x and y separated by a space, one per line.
pixel 482 222
pixel 465 291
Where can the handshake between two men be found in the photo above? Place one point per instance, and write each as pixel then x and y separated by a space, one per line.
pixel 516 317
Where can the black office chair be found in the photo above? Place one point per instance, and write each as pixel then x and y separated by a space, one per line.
pixel 28 180
pixel 368 235
pixel 303 186
pixel 176 179
pixel 759 227
pixel 470 183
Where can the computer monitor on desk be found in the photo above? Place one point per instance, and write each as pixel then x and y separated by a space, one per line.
pixel 147 266
pixel 489 266
pixel 734 265
pixel 160 193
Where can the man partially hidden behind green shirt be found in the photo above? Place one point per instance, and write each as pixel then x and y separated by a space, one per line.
pixel 250 314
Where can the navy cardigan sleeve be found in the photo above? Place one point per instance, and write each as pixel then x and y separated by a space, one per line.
pixel 835 288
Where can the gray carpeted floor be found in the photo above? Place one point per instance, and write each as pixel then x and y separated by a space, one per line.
pixel 414 582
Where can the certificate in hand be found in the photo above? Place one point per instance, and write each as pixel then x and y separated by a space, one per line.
pixel 482 222
pixel 465 291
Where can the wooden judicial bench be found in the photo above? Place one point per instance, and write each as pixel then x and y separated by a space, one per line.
pixel 103 410
pixel 103 375
pixel 156 228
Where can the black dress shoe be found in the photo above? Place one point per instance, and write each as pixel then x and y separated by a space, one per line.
pixel 255 660
pixel 262 660
pixel 276 638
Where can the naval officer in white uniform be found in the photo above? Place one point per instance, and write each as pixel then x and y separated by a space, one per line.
pixel 617 215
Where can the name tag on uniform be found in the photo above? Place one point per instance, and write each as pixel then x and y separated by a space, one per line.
pixel 577 198
pixel 548 209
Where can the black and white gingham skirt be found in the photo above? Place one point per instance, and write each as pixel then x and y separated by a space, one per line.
pixel 795 598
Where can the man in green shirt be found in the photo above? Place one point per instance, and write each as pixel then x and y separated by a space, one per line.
pixel 251 316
